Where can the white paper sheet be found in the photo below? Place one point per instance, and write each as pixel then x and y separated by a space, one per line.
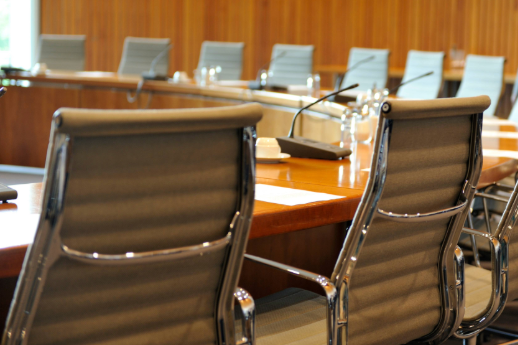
pixel 496 121
pixel 18 229
pixel 289 196
pixel 500 153
pixel 498 134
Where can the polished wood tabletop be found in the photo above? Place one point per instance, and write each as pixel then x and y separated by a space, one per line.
pixel 347 178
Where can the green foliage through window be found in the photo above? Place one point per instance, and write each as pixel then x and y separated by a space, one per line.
pixel 4 25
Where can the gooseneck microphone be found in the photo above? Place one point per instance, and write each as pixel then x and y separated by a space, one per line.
pixel 315 102
pixel 409 81
pixel 352 68
pixel 301 147
pixel 151 74
pixel 256 84
pixel 3 90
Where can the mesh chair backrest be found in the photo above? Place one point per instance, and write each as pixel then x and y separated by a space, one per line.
pixel 293 67
pixel 483 75
pixel 138 55
pixel 370 73
pixel 63 52
pixel 419 63
pixel 227 55
pixel 506 234
pixel 394 292
pixel 513 116
pixel 512 275
pixel 138 182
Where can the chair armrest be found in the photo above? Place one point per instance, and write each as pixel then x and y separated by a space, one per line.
pixel 499 186
pixel 333 304
pixel 469 328
pixel 248 321
pixel 321 280
pixel 492 197
pixel 480 233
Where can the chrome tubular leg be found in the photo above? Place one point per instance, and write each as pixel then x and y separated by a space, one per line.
pixel 332 314
pixel 474 246
pixel 470 341
pixel 486 215
pixel 248 321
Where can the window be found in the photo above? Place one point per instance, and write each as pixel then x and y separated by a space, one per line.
pixel 19 32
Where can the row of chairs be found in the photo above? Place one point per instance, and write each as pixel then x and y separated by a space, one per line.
pixel 292 64
pixel 142 237
pixel 67 52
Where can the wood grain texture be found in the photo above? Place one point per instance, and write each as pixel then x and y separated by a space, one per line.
pixel 333 26
pixel 27 112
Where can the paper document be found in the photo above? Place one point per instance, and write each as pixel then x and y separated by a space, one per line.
pixel 500 153
pixel 289 196
pixel 498 134
pixel 496 121
pixel 18 229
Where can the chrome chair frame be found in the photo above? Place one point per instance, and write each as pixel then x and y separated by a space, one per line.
pixel 500 259
pixel 336 288
pixel 42 254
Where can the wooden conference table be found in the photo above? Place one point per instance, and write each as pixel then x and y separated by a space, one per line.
pixel 308 236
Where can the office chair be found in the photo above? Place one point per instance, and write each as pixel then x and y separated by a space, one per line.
pixel 292 65
pixel 139 54
pixel 62 52
pixel 370 73
pixel 419 63
pixel 395 280
pixel 483 75
pixel 144 224
pixel 488 291
pixel 227 55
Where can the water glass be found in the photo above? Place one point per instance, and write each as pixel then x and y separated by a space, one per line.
pixel 313 85
pixel 263 77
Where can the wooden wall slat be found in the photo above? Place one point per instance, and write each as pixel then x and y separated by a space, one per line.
pixel 333 26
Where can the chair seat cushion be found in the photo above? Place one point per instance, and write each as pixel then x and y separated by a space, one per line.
pixel 478 288
pixel 292 316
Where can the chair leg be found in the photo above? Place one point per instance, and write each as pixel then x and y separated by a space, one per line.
pixel 248 321
pixel 470 341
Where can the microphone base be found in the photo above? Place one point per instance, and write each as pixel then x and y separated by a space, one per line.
pixel 154 76
pixel 342 99
pixel 307 148
pixel 255 85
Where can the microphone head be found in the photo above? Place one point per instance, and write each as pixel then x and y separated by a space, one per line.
pixel 3 90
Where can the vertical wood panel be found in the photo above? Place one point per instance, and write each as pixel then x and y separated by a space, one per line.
pixel 333 26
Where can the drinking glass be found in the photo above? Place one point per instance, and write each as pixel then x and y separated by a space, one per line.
pixel 313 85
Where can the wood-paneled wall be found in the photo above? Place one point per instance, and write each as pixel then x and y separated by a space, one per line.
pixel 487 27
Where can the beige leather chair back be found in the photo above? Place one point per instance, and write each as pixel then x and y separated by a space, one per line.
pixel 291 65
pixel 417 64
pixel 139 240
pixel 227 55
pixel 369 74
pixel 397 257
pixel 139 54
pixel 483 75
pixel 63 52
